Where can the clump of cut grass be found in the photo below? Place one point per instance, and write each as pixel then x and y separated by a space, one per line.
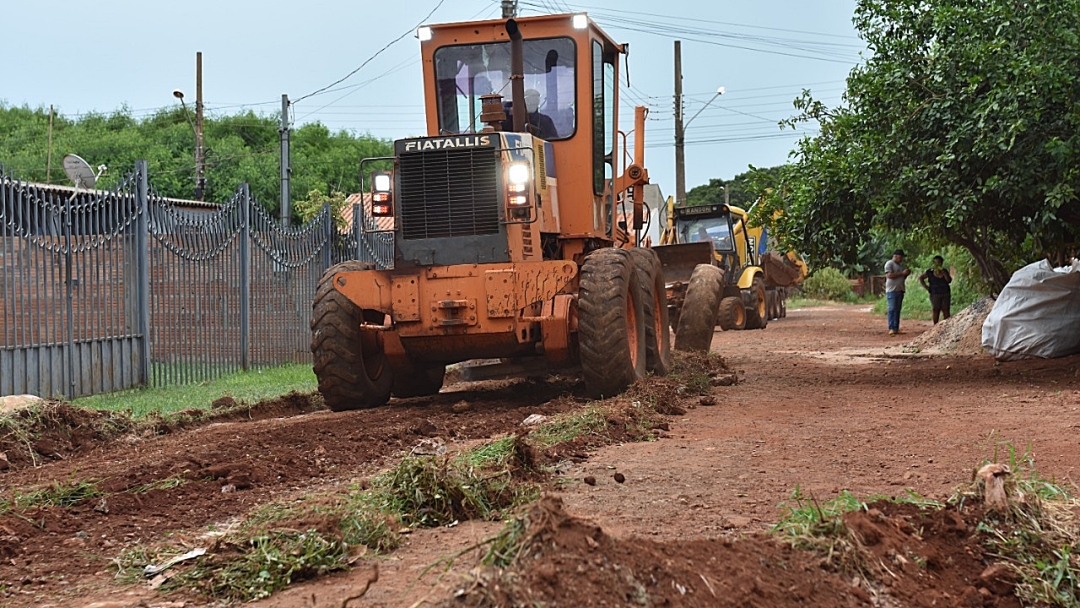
pixel 271 562
pixel 431 491
pixel 568 427
pixel 1039 535
pixel 161 484
pixel 58 494
pixel 819 527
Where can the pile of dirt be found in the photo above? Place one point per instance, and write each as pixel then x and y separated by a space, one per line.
pixel 908 556
pixel 55 430
pixel 960 334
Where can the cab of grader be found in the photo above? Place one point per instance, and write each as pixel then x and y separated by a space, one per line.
pixel 507 231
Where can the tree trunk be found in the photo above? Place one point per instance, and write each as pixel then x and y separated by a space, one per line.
pixel 990 268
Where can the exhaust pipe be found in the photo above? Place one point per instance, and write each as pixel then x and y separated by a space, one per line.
pixel 517 75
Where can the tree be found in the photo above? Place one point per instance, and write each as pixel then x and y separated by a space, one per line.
pixel 962 126
pixel 239 148
pixel 740 193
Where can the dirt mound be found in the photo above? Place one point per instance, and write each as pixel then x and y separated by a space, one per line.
pixel 906 556
pixel 960 334
pixel 566 561
pixel 35 434
pixel 54 430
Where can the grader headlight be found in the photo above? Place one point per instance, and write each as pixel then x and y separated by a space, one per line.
pixel 382 194
pixel 518 176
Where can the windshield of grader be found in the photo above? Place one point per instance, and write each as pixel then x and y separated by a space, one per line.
pixel 465 72
pixel 715 229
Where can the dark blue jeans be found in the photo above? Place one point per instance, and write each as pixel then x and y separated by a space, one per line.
pixel 895 299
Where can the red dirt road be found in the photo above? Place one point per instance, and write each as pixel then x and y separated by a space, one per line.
pixel 826 402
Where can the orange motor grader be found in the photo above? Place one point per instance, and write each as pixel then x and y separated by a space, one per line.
pixel 507 231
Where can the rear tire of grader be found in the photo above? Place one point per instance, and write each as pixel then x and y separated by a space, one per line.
pixel 611 323
pixel 732 314
pixel 657 335
pixel 700 308
pixel 756 316
pixel 423 381
pixel 350 365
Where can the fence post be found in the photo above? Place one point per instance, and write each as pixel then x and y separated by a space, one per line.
pixel 358 230
pixel 142 261
pixel 245 278
pixel 328 256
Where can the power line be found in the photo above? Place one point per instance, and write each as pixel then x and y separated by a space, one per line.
pixel 370 59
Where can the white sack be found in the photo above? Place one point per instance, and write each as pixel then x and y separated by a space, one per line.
pixel 1036 315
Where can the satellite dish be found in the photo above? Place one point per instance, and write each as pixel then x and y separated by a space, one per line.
pixel 79 171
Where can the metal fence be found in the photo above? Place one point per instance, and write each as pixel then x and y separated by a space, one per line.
pixel 105 290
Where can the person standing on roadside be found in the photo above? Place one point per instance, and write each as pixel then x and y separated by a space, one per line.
pixel 940 293
pixel 895 275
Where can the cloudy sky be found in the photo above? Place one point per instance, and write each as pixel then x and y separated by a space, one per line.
pixel 102 55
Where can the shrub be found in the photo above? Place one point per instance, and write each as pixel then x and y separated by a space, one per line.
pixel 828 284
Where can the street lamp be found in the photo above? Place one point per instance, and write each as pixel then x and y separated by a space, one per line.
pixel 200 179
pixel 680 139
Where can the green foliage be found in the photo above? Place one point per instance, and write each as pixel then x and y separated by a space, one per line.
pixel 828 284
pixel 239 148
pixel 743 189
pixel 58 494
pixel 435 491
pixel 250 386
pixel 962 126
pixel 306 209
pixel 1039 536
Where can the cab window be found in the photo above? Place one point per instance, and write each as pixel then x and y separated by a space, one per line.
pixel 465 72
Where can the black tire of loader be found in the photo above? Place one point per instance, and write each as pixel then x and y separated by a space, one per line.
pixel 772 308
pixel 352 373
pixel 700 308
pixel 783 305
pixel 611 323
pixel 653 298
pixel 423 380
pixel 732 314
pixel 756 317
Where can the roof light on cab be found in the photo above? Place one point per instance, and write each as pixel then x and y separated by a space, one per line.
pixel 580 21
pixel 423 33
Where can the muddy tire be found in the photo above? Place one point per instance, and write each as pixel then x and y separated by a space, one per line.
pixel 350 365
pixel 732 314
pixel 771 304
pixel 423 380
pixel 611 323
pixel 756 317
pixel 654 301
pixel 782 304
pixel 700 308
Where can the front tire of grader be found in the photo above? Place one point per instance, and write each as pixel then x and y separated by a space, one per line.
pixel 657 336
pixel 756 316
pixel 732 313
pixel 700 308
pixel 611 323
pixel 350 365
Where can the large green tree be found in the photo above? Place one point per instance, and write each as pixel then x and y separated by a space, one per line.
pixel 962 126
pixel 239 148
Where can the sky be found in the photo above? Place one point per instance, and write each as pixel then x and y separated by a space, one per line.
pixel 106 55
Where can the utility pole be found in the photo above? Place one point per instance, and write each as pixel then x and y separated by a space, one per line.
pixel 48 157
pixel 286 170
pixel 509 9
pixel 680 157
pixel 200 155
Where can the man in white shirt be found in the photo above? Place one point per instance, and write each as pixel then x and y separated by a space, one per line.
pixel 895 276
